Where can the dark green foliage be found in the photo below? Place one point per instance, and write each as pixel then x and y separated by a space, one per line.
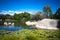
pixel 22 16
pixel 3 17
pixel 57 14
pixel 8 16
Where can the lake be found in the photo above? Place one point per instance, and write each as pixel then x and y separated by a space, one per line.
pixel 14 28
pixel 18 25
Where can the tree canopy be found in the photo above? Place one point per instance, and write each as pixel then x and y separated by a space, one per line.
pixel 22 16
pixel 57 14
pixel 48 11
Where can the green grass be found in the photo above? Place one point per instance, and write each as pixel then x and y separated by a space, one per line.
pixel 33 34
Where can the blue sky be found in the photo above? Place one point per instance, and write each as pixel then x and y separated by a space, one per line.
pixel 32 6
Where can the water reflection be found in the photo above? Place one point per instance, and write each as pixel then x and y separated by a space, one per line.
pixel 10 28
pixel 13 26
pixel 20 23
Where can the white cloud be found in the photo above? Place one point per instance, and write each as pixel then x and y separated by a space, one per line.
pixel 11 12
pixel 18 12
pixel 7 12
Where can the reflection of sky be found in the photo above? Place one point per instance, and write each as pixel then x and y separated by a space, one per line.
pixel 28 5
pixel 11 28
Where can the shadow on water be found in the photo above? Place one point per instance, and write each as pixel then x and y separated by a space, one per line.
pixel 58 24
pixel 20 23
pixel 1 23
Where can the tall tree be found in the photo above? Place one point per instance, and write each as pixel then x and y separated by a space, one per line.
pixel 48 11
pixel 26 16
pixel 36 16
pixel 57 15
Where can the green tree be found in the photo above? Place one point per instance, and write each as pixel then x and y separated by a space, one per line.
pixel 26 16
pixel 37 16
pixel 48 11
pixel 17 16
pixel 22 16
pixel 3 17
pixel 57 14
pixel 8 16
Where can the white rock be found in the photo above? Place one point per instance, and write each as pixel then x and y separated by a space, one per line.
pixel 45 24
pixel 5 23
pixel 30 23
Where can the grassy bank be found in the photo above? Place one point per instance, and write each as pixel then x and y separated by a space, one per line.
pixel 33 34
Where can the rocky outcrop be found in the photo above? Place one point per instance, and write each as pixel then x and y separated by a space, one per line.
pixel 46 24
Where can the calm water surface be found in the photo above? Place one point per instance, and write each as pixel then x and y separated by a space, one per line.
pixel 17 26
pixel 14 28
